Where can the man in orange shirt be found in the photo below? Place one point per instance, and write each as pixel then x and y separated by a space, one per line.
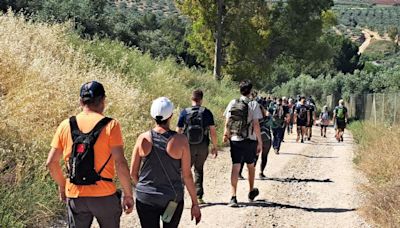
pixel 99 198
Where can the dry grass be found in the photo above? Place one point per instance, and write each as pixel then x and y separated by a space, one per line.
pixel 41 72
pixel 379 158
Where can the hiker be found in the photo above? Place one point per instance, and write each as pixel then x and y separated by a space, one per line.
pixel 324 120
pixel 340 116
pixel 291 106
pixel 197 123
pixel 242 130
pixel 265 129
pixel 91 145
pixel 312 112
pixel 301 119
pixel 280 116
pixel 285 104
pixel 163 158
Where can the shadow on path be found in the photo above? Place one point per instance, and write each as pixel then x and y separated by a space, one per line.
pixel 298 180
pixel 264 203
pixel 307 156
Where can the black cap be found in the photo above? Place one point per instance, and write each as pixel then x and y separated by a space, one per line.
pixel 91 90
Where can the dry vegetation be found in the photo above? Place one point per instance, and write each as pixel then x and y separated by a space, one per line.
pixel 40 75
pixel 379 158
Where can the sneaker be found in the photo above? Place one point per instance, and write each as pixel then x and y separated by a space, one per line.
pixel 241 177
pixel 302 140
pixel 253 194
pixel 341 138
pixel 233 202
pixel 324 136
pixel 262 176
pixel 309 138
pixel 200 200
pixel 276 151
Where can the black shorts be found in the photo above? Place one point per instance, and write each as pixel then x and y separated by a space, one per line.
pixel 243 151
pixel 340 124
pixel 301 123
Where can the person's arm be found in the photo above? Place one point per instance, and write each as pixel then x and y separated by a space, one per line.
pixel 53 164
pixel 257 131
pixel 227 134
pixel 214 141
pixel 135 162
pixel 122 169
pixel 181 122
pixel 188 178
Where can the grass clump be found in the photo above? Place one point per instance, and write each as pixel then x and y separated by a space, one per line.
pixel 379 158
pixel 41 70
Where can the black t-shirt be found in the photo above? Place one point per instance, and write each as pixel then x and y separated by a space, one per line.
pixel 208 118
pixel 301 111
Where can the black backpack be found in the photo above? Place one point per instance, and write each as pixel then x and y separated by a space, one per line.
pixel 237 122
pixel 81 169
pixel 194 128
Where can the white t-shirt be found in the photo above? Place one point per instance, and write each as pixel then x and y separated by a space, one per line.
pixel 254 114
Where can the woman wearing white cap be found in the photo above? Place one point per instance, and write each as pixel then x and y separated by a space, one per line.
pixel 165 159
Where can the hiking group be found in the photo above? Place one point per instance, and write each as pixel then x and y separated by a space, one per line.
pixel 92 148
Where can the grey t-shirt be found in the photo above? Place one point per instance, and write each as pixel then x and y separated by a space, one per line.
pixel 254 114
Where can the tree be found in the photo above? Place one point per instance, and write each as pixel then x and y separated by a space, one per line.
pixel 394 34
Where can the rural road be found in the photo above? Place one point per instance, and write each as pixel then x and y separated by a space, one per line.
pixel 308 185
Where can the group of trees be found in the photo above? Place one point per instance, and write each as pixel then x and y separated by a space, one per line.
pixel 271 43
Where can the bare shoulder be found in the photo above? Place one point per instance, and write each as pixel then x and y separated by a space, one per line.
pixel 179 139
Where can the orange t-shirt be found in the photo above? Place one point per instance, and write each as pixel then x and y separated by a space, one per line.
pixel 109 137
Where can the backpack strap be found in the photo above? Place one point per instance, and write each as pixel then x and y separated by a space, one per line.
pixel 101 170
pixel 95 132
pixel 75 131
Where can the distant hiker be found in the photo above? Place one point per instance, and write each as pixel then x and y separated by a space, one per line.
pixel 242 130
pixel 292 107
pixel 280 115
pixel 91 145
pixel 324 120
pixel 312 112
pixel 197 123
pixel 340 116
pixel 301 119
pixel 160 167
pixel 285 104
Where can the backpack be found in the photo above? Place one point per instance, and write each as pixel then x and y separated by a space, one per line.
pixel 81 170
pixel 303 113
pixel 278 115
pixel 237 122
pixel 340 113
pixel 265 129
pixel 194 129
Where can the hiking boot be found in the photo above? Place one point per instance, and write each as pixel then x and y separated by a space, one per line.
pixel 233 202
pixel 253 194
pixel 200 200
pixel 262 176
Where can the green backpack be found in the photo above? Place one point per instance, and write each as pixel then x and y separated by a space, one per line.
pixel 237 122
pixel 340 113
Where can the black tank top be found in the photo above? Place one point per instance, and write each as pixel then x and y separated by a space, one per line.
pixel 153 187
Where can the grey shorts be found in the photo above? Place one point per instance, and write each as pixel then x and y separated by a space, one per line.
pixel 107 210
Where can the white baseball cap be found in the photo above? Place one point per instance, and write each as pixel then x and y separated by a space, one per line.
pixel 161 109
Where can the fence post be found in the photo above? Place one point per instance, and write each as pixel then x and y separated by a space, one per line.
pixel 395 108
pixel 374 107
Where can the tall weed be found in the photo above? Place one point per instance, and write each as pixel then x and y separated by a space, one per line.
pixel 379 158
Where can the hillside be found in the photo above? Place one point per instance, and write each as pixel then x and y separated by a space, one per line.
pixel 40 87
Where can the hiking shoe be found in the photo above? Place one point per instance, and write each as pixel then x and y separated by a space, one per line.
pixel 200 200
pixel 341 138
pixel 241 177
pixel 253 194
pixel 309 138
pixel 262 176
pixel 324 136
pixel 276 151
pixel 302 140
pixel 233 202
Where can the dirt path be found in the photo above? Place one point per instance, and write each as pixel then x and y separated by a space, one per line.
pixel 309 185
pixel 369 36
